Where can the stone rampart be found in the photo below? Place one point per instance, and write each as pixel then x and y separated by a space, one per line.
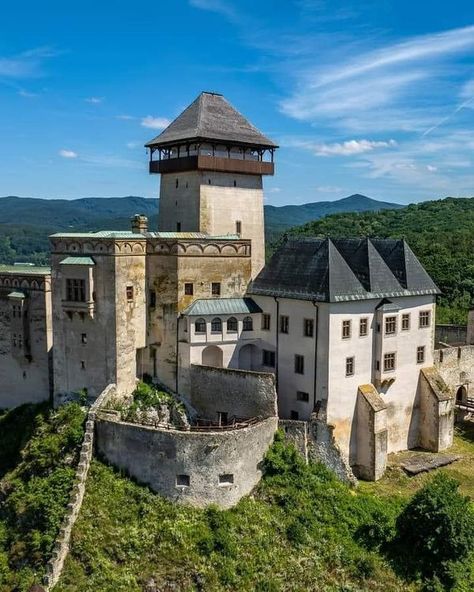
pixel 456 367
pixel 188 467
pixel 61 546
pixel 238 393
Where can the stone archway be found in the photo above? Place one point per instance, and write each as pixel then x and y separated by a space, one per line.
pixel 461 395
pixel 248 357
pixel 212 356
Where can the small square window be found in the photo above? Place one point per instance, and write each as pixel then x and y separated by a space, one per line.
pixel 226 479
pixel 216 289
pixel 299 364
pixel 302 396
pixel 425 318
pixel 389 362
pixel 266 322
pixel 284 324
pixel 294 415
pixel 346 329
pixel 268 358
pixel 350 366
pixel 420 354
pixel 390 325
pixel 308 328
pixel 405 322
pixel 188 289
pixel 129 293
pixel 182 481
pixel 363 327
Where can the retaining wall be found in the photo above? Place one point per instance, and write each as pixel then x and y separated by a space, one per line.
pixel 188 467
pixel 61 547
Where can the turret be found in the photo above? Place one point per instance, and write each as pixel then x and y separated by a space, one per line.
pixel 212 160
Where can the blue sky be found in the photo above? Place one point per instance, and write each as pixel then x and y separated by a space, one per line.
pixel 374 97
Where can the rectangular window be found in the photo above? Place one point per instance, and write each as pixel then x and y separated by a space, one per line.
pixel 216 289
pixel 152 299
pixel 83 338
pixel 266 322
pixel 83 365
pixel 420 354
pixel 308 329
pixel 390 325
pixel 75 290
pixel 299 364
pixel 346 329
pixel 350 366
pixel 188 289
pixel 406 321
pixel 425 318
pixel 226 479
pixel 222 418
pixel 363 327
pixel 178 226
pixel 182 481
pixel 129 293
pixel 302 396
pixel 268 358
pixel 294 415
pixel 389 362
pixel 284 324
pixel 238 227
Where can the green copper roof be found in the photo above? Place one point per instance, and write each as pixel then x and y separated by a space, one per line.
pixel 78 261
pixel 222 306
pixel 24 270
pixel 125 234
pixel 99 234
pixel 19 295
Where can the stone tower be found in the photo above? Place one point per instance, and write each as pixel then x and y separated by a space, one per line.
pixel 211 161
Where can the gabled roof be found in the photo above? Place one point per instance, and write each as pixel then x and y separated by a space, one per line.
pixel 337 270
pixel 211 117
pixel 222 306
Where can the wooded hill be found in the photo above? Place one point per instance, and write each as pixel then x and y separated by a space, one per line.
pixel 441 233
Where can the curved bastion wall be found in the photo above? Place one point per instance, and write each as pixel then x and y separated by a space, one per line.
pixel 197 468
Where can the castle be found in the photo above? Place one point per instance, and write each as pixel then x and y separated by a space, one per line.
pixel 339 333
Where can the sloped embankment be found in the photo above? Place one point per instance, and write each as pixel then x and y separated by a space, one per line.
pixel 39 450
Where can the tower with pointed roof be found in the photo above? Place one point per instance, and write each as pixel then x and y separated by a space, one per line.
pixel 212 161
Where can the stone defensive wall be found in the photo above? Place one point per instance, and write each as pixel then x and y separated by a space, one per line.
pixel 197 468
pixel 240 393
pixel 456 366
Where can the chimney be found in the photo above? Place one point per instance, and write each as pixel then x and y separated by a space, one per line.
pixel 140 224
pixel 470 327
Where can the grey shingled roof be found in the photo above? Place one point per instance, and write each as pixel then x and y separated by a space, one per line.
pixel 337 270
pixel 211 117
pixel 222 306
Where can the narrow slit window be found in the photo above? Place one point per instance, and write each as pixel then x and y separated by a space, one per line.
pixel 129 293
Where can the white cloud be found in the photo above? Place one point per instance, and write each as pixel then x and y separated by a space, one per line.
pixel 328 189
pixel 219 6
pixel 68 153
pixel 26 94
pixel 28 64
pixel 347 148
pixel 155 122
pixel 125 117
pixel 133 145
pixel 431 168
pixel 94 100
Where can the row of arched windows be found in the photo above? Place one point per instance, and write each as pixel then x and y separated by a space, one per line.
pixel 216 325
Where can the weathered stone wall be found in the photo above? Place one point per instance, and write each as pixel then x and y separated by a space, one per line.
pixel 25 338
pixel 195 468
pixel 452 334
pixel 436 411
pixel 241 393
pixel 61 546
pixel 456 366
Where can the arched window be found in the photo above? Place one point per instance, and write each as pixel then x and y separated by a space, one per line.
pixel 232 325
pixel 200 326
pixel 216 325
pixel 248 324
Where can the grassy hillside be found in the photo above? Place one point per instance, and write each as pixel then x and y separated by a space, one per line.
pixel 38 454
pixel 441 233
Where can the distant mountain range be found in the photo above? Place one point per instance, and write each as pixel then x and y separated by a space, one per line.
pixel 26 223
pixel 94 213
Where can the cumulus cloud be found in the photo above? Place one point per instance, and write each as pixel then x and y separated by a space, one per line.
pixel 348 148
pixel 155 122
pixel 68 153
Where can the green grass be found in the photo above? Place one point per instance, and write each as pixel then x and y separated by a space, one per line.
pixel 43 445
pixel 299 531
